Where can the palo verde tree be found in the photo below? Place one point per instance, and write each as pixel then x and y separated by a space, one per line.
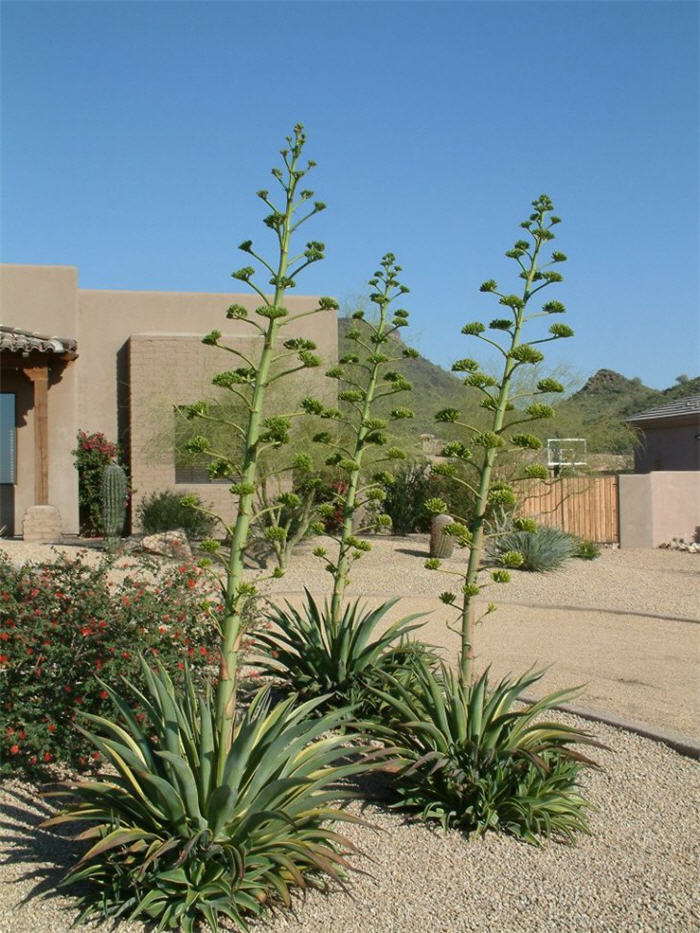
pixel 249 384
pixel 361 443
pixel 480 448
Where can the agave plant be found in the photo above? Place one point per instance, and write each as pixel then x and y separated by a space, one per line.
pixel 472 760
pixel 188 831
pixel 316 657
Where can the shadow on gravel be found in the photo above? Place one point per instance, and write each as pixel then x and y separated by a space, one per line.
pixel 412 552
pixel 46 854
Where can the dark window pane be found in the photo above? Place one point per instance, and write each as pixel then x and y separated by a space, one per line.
pixel 8 442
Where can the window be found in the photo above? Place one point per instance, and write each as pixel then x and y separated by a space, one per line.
pixel 8 438
pixel 192 468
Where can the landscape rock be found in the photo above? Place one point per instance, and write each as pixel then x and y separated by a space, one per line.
pixel 168 544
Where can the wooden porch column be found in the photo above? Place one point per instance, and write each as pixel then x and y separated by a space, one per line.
pixel 39 376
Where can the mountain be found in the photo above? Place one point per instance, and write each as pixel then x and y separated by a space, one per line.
pixel 599 409
pixel 433 388
pixel 597 412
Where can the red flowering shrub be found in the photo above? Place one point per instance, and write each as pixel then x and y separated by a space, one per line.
pixel 63 623
pixel 92 455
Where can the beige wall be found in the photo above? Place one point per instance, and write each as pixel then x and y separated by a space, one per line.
pixel 176 369
pixel 43 299
pixel 658 506
pixel 168 363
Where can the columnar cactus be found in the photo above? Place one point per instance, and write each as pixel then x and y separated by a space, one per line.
pixel 114 490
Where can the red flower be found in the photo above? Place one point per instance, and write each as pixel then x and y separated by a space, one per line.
pixel 14 749
pixel 47 756
pixel 95 756
pixel 51 727
pixel 4 636
pixel 32 760
pixel 21 734
pixel 98 664
pixel 103 694
pixel 203 651
pixel 3 658
pixel 191 583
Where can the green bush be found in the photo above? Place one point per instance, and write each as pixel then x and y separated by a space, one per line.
pixel 587 550
pixel 314 657
pixel 542 550
pixel 164 511
pixel 189 831
pixel 64 624
pixel 471 760
pixel 405 499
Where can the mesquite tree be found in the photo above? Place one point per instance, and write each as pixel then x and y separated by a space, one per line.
pixel 249 384
pixel 482 448
pixel 365 378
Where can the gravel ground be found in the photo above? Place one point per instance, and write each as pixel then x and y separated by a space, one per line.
pixel 636 872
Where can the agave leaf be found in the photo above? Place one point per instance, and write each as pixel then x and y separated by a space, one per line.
pixel 207 749
pixel 220 807
pixel 117 837
pixel 187 784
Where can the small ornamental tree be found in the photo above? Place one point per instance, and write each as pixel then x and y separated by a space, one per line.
pixel 480 448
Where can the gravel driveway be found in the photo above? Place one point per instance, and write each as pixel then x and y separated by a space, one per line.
pixel 627 613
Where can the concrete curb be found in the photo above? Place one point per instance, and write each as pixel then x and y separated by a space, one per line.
pixel 683 744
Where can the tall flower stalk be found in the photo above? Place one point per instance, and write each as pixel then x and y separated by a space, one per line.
pixel 249 385
pixel 365 378
pixel 482 449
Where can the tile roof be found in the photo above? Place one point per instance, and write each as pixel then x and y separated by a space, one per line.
pixel 682 406
pixel 25 342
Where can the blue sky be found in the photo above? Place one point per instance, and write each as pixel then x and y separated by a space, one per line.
pixel 136 134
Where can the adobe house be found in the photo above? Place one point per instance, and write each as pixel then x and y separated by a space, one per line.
pixel 661 500
pixel 122 364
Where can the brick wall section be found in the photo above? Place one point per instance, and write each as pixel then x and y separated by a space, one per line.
pixel 168 370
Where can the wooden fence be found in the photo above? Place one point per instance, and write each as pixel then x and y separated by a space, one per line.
pixel 583 505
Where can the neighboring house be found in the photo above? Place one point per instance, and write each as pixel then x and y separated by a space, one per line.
pixel 669 436
pixel 661 500
pixel 124 361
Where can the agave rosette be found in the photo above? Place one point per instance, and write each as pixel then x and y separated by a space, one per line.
pixel 313 656
pixel 472 760
pixel 187 831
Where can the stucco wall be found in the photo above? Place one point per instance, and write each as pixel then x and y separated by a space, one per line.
pixel 43 299
pixel 94 394
pixel 658 506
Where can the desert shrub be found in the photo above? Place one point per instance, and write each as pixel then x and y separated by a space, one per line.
pixel 406 496
pixel 587 550
pixel 471 759
pixel 64 624
pixel 92 454
pixel 542 550
pixel 317 658
pixel 164 511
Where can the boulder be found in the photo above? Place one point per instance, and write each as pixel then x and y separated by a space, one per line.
pixel 169 544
